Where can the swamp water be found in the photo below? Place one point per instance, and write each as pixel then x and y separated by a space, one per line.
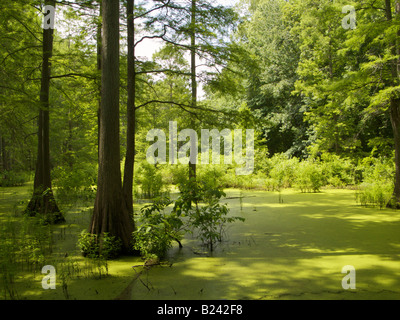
pixel 291 246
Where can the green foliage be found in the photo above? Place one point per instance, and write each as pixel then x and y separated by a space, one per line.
pixel 8 259
pixel 88 244
pixel 337 171
pixel 282 171
pixel 212 176
pixel 375 169
pixel 345 75
pixel 378 182
pixel 200 201
pixel 104 246
pixel 24 246
pixel 309 176
pixel 79 182
pixel 110 246
pixel 197 209
pixel 157 229
pixel 13 178
pixel 150 179
pixel 178 174
pixel 19 53
pixel 210 221
pixel 374 194
pixel 270 71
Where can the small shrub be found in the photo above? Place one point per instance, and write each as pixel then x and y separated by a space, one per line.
pixel 210 221
pixel 378 182
pixel 13 179
pixel 150 180
pixel 92 246
pixel 200 202
pixel 88 244
pixel 374 169
pixel 79 182
pixel 212 176
pixel 283 171
pixel 374 194
pixel 110 246
pixel 337 171
pixel 178 174
pixel 309 177
pixel 157 230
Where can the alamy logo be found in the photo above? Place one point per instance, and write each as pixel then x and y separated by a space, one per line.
pixel 49 280
pixel 349 21
pixel 49 17
pixel 349 280
pixel 157 152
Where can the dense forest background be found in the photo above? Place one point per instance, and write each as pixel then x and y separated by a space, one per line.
pixel 322 95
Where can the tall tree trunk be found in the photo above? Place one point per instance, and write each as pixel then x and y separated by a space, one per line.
pixel 395 107
pixel 4 155
pixel 1 152
pixel 131 114
pixel 43 201
pixel 192 166
pixel 110 212
pixel 67 146
pixel 395 120
pixel 98 45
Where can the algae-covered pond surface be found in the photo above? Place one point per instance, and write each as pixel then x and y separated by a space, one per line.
pixel 290 250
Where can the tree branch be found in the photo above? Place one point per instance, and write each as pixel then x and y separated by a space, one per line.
pixel 20 49
pixel 153 9
pixel 165 71
pixel 72 75
pixel 181 105
pixel 26 28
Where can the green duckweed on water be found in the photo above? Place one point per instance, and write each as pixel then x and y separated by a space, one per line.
pixel 289 247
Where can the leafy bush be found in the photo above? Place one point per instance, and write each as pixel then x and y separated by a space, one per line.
pixel 283 171
pixel 378 185
pixel 212 175
pixel 200 202
pixel 88 244
pixel 92 246
pixel 210 221
pixel 178 174
pixel 309 177
pixel 374 169
pixel 157 229
pixel 110 246
pixel 374 194
pixel 79 182
pixel 13 179
pixel 150 180
pixel 337 171
pixel 197 208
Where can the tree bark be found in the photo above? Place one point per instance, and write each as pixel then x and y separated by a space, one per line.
pixel 131 110
pixel 192 166
pixel 4 155
pixel 43 201
pixel 395 120
pixel 98 47
pixel 395 108
pixel 110 212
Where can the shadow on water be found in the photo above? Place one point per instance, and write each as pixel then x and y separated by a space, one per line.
pixel 290 250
